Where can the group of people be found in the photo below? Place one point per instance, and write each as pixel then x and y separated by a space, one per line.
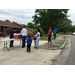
pixel 24 36
pixel 29 40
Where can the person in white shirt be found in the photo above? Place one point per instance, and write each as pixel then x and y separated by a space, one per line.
pixel 37 39
pixel 24 34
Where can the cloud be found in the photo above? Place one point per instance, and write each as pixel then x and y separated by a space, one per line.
pixel 25 15
pixel 71 13
pixel 18 15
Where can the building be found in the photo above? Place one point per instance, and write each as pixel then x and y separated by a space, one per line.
pixel 30 31
pixel 6 26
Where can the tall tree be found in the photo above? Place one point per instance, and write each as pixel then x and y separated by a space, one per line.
pixel 49 17
pixel 30 25
pixel 7 20
pixel 61 27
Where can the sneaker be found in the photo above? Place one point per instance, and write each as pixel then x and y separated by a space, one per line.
pixel 51 43
pixel 47 44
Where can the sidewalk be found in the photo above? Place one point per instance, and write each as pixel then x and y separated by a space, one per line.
pixel 41 56
pixel 58 43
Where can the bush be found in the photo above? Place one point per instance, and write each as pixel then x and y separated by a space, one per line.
pixel 41 32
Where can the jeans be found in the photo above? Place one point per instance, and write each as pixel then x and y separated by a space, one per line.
pixel 49 39
pixel 37 42
pixel 54 36
pixel 28 47
pixel 23 41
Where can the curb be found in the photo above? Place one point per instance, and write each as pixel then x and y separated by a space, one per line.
pixel 64 43
pixel 63 57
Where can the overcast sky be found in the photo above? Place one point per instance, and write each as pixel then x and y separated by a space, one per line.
pixel 25 15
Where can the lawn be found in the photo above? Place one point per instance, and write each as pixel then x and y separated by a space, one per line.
pixel 46 38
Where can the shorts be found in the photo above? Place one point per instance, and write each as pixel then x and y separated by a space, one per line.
pixel 34 41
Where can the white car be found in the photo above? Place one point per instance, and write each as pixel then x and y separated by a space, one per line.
pixel 73 33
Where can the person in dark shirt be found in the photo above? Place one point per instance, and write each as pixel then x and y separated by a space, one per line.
pixel 11 36
pixel 29 41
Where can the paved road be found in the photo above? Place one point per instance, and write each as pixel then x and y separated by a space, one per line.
pixel 71 60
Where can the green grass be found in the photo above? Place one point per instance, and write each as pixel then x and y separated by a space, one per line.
pixel 46 38
pixel 59 46
pixel 52 38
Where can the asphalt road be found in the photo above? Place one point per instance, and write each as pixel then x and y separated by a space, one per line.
pixel 71 60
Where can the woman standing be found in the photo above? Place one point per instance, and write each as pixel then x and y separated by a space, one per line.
pixel 37 39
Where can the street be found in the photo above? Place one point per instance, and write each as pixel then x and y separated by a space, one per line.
pixel 71 60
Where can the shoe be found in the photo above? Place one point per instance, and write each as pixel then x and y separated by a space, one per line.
pixel 47 44
pixel 37 48
pixel 12 46
pixel 51 43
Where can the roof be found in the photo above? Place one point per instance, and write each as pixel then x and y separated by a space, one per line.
pixel 30 29
pixel 9 24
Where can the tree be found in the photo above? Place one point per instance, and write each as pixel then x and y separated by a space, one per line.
pixel 67 28
pixel 67 22
pixel 23 25
pixel 7 20
pixel 49 18
pixel 30 25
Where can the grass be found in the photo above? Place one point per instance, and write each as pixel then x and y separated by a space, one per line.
pixel 52 38
pixel 59 46
pixel 46 38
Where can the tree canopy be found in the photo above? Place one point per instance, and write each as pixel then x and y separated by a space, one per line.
pixel 46 18
pixel 30 25
pixel 7 20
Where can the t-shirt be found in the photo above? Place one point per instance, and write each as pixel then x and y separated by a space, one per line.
pixel 24 32
pixel 54 32
pixel 29 41
pixel 50 32
pixel 39 35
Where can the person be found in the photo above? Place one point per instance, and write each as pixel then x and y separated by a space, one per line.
pixel 37 39
pixel 29 41
pixel 49 36
pixel 24 34
pixel 54 32
pixel 11 36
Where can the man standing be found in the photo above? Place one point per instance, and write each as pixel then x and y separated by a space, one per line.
pixel 54 32
pixel 49 36
pixel 24 34
pixel 11 36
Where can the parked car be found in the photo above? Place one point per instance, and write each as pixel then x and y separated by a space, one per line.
pixel 73 33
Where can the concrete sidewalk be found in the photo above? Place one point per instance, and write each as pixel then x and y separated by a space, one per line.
pixel 58 43
pixel 19 56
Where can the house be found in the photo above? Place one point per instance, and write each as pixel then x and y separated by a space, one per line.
pixel 4 26
pixel 30 31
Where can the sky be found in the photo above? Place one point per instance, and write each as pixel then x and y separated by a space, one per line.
pixel 25 15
